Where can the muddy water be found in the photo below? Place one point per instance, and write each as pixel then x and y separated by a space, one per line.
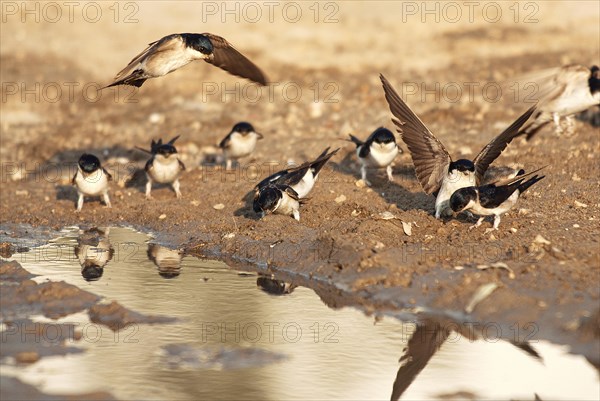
pixel 249 336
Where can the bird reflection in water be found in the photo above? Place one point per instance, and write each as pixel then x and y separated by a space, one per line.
pixel 168 261
pixel 274 287
pixel 94 251
pixel 427 339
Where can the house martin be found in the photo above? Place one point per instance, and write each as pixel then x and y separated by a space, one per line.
pixel 436 171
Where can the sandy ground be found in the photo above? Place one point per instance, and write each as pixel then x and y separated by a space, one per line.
pixel 342 247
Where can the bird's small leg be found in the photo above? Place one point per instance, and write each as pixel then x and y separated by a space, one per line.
pixel 228 164
pixel 389 173
pixel 557 127
pixel 496 221
pixel 477 224
pixel 363 174
pixel 106 199
pixel 176 188
pixel 296 214
pixel 148 189
pixel 570 125
pixel 79 202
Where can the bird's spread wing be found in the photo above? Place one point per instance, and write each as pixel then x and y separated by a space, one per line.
pixel 493 149
pixel 167 44
pixel 430 157
pixel 225 56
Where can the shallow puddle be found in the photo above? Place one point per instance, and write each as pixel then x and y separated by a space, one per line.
pixel 241 335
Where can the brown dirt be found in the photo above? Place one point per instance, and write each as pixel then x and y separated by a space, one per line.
pixel 343 250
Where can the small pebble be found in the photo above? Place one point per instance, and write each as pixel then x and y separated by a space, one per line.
pixel 541 240
pixel 579 204
pixel 21 192
pixel 360 183
pixel 316 110
pixel 195 203
pixel 162 216
pixel 219 206
pixel 340 199
pixel 575 225
pixel 355 213
pixel 156 118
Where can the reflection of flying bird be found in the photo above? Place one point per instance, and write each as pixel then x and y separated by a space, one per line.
pixel 240 142
pixel 493 199
pixel 177 50
pixel 164 167
pixel 427 339
pixel 562 92
pixel 423 344
pixel 91 179
pixel 167 260
pixel 274 287
pixel 93 254
pixel 378 151
pixel 435 169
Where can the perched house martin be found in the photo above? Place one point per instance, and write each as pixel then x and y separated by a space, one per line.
pixel 378 151
pixel 302 178
pixel 240 142
pixel 563 92
pixel 493 199
pixel 91 179
pixel 177 50
pixel 164 167
pixel 277 199
pixel 436 171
